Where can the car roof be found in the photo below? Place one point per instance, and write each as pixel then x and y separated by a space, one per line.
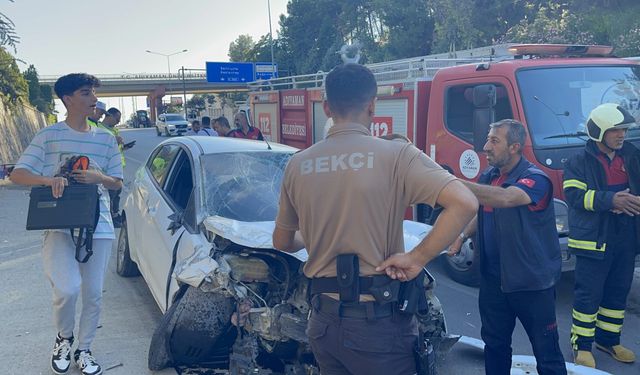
pixel 216 145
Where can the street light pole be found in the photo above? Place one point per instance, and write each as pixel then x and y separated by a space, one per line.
pixel 273 68
pixel 167 55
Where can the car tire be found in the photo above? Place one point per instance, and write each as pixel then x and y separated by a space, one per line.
pixel 158 131
pixel 464 268
pixel 193 330
pixel 125 267
pixel 166 132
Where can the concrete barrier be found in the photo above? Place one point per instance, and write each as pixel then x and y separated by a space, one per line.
pixel 18 125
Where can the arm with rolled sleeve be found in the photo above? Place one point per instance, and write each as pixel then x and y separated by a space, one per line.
pixel 578 194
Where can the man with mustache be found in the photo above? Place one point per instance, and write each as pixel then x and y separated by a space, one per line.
pixel 601 185
pixel 519 266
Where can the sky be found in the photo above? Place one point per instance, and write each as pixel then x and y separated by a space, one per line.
pixel 111 36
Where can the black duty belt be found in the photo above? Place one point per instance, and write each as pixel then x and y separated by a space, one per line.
pixel 361 310
pixel 330 284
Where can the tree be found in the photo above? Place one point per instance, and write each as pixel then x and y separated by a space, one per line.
pixel 13 86
pixel 8 36
pixel 241 48
pixel 552 24
pixel 40 96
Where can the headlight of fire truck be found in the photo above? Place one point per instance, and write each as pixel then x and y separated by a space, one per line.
pixel 562 217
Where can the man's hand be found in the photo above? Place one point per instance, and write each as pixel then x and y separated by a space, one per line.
pixel 455 247
pixel 90 176
pixel 119 140
pixel 403 267
pixel 57 186
pixel 626 203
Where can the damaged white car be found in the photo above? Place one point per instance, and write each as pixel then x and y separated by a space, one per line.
pixel 197 226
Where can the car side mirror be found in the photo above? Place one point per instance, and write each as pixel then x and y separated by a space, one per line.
pixel 176 222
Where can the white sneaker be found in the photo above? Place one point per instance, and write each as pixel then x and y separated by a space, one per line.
pixel 86 363
pixel 61 355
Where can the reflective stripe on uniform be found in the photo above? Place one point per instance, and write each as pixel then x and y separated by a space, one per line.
pixel 589 197
pixel 582 317
pixel 574 183
pixel 615 328
pixel 586 245
pixel 586 332
pixel 615 314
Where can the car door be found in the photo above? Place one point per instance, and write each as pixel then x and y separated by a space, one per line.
pixel 172 199
pixel 154 211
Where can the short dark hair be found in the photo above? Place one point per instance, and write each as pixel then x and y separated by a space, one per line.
pixel 349 88
pixel 515 131
pixel 113 111
pixel 67 85
pixel 223 121
pixel 206 121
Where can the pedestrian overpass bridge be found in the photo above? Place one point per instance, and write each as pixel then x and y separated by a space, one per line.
pixel 156 84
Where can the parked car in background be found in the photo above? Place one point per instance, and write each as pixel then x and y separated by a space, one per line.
pixel 197 225
pixel 169 124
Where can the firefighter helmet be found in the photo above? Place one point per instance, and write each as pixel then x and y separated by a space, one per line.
pixel 605 117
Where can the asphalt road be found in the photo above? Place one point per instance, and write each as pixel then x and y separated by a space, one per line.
pixel 130 313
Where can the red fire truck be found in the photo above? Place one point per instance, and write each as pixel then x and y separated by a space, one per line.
pixel 446 105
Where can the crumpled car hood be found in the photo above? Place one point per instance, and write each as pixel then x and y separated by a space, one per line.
pixel 199 266
pixel 258 234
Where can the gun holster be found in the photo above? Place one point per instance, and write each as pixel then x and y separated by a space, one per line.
pixel 348 271
pixel 412 295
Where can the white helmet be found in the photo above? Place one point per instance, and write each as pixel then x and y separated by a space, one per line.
pixel 605 117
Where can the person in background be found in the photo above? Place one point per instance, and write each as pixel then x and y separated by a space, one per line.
pixel 109 123
pixel 206 127
pixel 244 128
pixel 96 116
pixel 221 125
pixel 519 253
pixel 195 128
pixel 601 184
pixel 69 279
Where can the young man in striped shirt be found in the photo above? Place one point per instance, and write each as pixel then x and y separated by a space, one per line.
pixel 38 165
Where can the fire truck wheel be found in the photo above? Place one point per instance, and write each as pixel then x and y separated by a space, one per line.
pixel 464 267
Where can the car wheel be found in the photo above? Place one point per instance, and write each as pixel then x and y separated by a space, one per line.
pixel 464 267
pixel 166 132
pixel 194 330
pixel 124 265
pixel 158 131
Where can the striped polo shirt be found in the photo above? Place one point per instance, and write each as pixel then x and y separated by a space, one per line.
pixel 52 145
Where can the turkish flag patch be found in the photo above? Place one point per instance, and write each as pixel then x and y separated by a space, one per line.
pixel 527 182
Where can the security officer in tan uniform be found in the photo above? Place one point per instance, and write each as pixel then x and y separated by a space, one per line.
pixel 344 199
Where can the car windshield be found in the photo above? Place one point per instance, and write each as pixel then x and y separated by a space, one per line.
pixel 243 186
pixel 557 101
pixel 174 118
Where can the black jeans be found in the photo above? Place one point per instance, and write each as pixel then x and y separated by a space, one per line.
pixel 535 310
pixel 355 346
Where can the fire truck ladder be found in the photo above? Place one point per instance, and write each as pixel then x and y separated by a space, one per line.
pixel 396 71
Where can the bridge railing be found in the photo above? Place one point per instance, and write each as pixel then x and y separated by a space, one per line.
pixel 136 77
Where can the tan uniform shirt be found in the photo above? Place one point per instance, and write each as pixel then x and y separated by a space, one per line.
pixel 348 194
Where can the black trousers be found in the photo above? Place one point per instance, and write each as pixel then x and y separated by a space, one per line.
pixel 358 346
pixel 600 294
pixel 537 313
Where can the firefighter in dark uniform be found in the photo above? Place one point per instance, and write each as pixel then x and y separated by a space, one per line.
pixel 601 185
pixel 344 199
pixel 519 267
